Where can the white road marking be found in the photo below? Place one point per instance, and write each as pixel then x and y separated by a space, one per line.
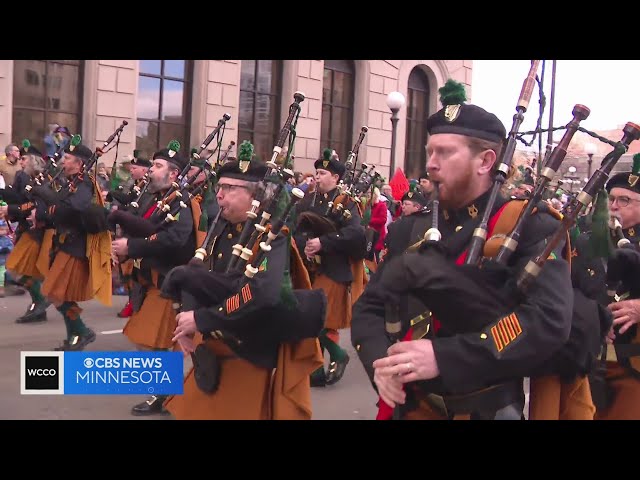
pixel 111 332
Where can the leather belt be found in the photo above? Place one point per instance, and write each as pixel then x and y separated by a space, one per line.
pixel 488 400
pixel 626 350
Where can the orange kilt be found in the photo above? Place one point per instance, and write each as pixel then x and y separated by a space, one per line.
pixel 68 279
pixel 153 325
pixel 44 254
pixel 552 399
pixel 626 391
pixel 247 392
pixel 127 268
pixel 23 258
pixel 341 297
pixel 243 392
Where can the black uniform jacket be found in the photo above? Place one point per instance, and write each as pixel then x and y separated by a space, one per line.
pixel 593 276
pixel 536 328
pixel 347 242
pixel 69 213
pixel 173 243
pixel 20 205
pixel 252 316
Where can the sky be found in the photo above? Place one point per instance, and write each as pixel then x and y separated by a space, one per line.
pixel 607 87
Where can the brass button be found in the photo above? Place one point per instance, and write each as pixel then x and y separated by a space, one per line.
pixel 458 228
pixel 220 309
pixel 229 236
pixel 483 336
pixel 358 348
pixel 219 255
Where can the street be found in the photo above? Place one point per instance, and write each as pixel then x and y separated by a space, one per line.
pixel 352 398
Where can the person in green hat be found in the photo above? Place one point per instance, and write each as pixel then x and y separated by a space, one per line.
pixel 623 271
pixel 153 318
pixel 443 367
pixel 335 259
pixel 243 369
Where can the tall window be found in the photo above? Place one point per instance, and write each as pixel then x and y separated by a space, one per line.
pixel 259 117
pixel 337 107
pixel 46 92
pixel 415 154
pixel 164 104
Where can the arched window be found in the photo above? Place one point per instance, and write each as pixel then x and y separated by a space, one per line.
pixel 46 92
pixel 164 104
pixel 415 154
pixel 337 107
pixel 259 115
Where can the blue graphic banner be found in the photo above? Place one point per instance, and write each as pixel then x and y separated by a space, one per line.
pixel 123 373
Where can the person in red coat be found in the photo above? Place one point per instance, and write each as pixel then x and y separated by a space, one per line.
pixel 378 221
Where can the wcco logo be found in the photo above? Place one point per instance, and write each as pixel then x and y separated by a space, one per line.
pixel 41 373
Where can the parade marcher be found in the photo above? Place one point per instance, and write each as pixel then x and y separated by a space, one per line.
pixel 440 373
pixel 336 260
pixel 124 193
pixel 123 198
pixel 413 201
pixel 80 267
pixel 22 263
pixel 258 369
pixel 622 384
pixel 151 325
pixel 426 187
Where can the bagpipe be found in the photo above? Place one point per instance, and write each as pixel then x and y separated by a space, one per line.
pixel 623 278
pixel 48 190
pixel 177 197
pixel 52 189
pixel 274 174
pixel 300 313
pixel 489 285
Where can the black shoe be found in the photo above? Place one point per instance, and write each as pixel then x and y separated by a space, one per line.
pixel 318 378
pixel 152 406
pixel 41 317
pixel 11 290
pixel 336 370
pixel 63 347
pixel 34 310
pixel 78 342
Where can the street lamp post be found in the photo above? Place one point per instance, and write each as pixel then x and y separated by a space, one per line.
pixel 395 101
pixel 572 171
pixel 590 149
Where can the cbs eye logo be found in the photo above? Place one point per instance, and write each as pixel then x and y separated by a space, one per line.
pixel 41 373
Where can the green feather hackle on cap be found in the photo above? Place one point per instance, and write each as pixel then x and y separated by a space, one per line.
pixel 76 140
pixel 600 241
pixel 635 169
pixel 452 93
pixel 327 153
pixel 413 186
pixel 26 143
pixel 174 145
pixel 245 152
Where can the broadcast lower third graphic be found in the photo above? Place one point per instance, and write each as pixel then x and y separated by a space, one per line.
pixel 101 373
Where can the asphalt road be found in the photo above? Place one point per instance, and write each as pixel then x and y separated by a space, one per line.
pixel 351 399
